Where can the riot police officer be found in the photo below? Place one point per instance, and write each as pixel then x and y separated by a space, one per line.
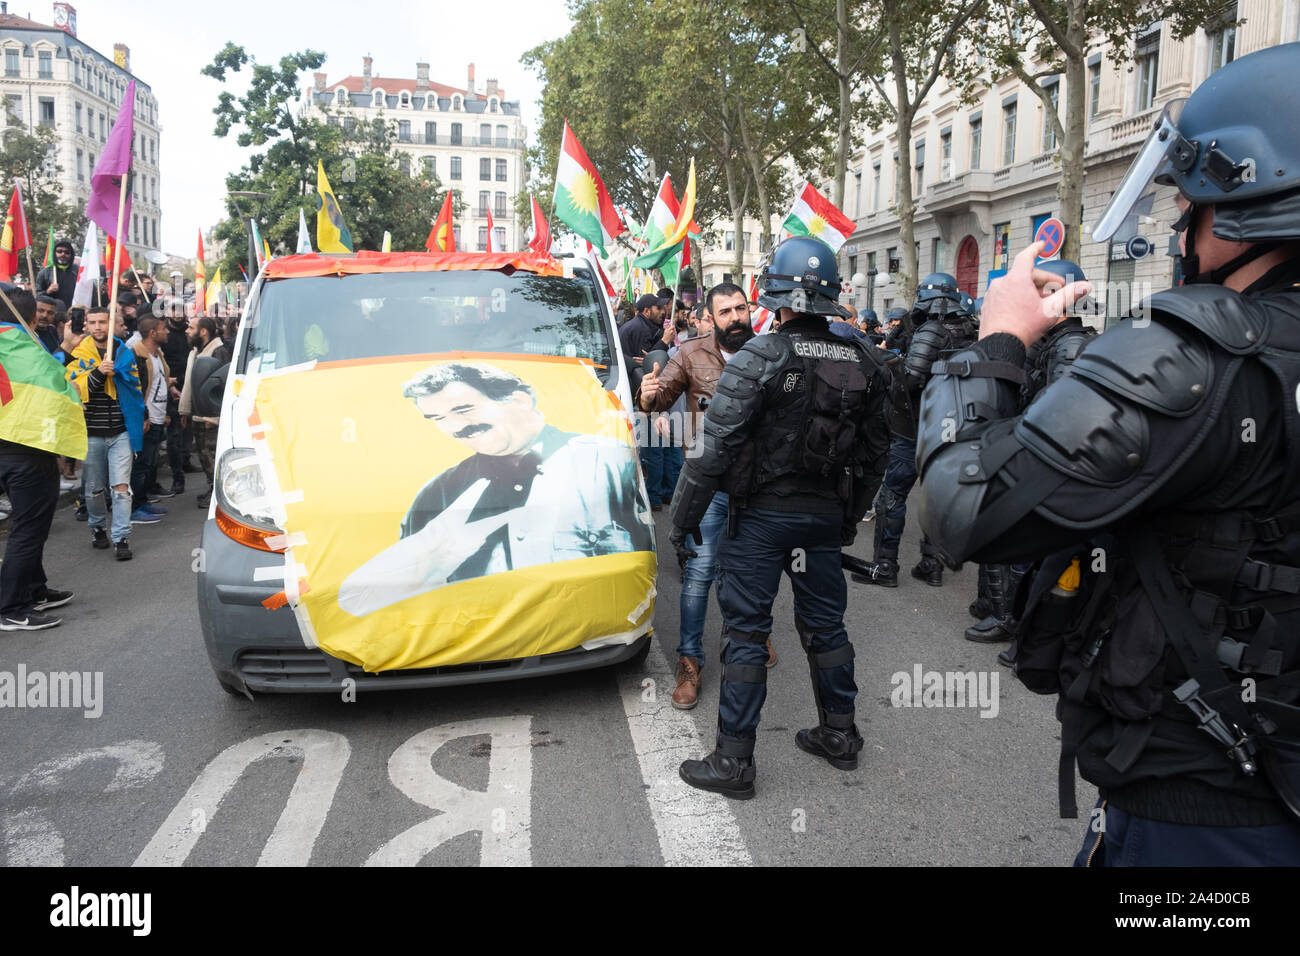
pixel 1167 459
pixel 1045 361
pixel 796 436
pixel 943 323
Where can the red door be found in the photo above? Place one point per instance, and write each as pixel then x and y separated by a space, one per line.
pixel 968 266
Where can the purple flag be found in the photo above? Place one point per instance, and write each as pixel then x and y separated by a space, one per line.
pixel 112 169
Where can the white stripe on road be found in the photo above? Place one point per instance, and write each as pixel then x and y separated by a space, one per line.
pixel 695 828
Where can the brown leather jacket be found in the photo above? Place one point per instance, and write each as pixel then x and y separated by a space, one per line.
pixel 695 370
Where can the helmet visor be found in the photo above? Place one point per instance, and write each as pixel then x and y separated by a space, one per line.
pixel 1150 158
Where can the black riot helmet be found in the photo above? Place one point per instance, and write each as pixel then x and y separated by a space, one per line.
pixel 938 295
pixel 1230 146
pixel 802 275
pixel 1069 272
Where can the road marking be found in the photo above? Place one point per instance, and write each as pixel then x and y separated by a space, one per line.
pixel 502 813
pixel 323 753
pixel 695 828
pixel 31 839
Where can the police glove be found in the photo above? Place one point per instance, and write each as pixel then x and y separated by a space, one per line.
pixel 677 538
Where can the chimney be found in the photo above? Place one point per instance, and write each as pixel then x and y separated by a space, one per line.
pixel 365 74
pixel 421 76
pixel 122 56
pixel 319 79
pixel 469 85
pixel 492 88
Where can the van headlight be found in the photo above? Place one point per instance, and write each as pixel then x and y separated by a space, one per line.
pixel 241 490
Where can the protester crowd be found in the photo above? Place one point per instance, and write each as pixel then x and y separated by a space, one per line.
pixel 143 435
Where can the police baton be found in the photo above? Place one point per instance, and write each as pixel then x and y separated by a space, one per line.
pixel 861 570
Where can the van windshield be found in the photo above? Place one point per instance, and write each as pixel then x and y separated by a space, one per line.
pixel 333 318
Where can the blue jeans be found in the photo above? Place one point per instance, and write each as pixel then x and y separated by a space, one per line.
pixel 672 467
pixel 1136 841
pixel 652 463
pixel 145 471
pixel 108 463
pixel 697 576
pixel 807 548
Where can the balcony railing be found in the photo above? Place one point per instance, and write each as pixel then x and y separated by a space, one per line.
pixel 445 139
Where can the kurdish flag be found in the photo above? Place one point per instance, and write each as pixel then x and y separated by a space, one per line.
pixel 581 200
pixel 813 215
pixel 49 249
pixel 663 214
pixel 669 246
pixel 39 407
pixel 442 237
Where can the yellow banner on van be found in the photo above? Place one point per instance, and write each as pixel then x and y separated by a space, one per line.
pixel 449 509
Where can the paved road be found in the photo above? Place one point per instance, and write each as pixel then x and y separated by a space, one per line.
pixel 578 769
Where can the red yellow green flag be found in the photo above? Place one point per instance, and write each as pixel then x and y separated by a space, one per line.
pixel 39 407
pixel 49 250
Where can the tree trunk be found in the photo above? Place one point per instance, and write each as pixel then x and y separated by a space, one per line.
pixel 846 106
pixel 756 175
pixel 903 130
pixel 1069 191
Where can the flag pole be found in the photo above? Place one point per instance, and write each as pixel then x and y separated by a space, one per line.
pixel 26 328
pixel 147 300
pixel 117 265
pixel 31 274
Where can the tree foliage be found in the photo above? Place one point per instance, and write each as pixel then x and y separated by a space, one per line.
pixel 29 159
pixel 1045 38
pixel 377 187
pixel 646 87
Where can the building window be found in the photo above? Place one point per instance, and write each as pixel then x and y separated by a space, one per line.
pixel 431 133
pixel 455 168
pixel 1147 63
pixel 744 241
pixel 1223 46
pixel 406 98
pixel 499 237
pixel 501 171
pixel 455 232
pixel 875 186
pixel 937 254
pixel 78 112
pixel 484 198
pixel 1009 133
pixel 499 205
pixel 455 103
pixel 482 238
pixel 503 135
pixel 103 129
pixel 404 130
pixel 11 63
pixel 45 65
pixel 945 154
pixel 857 193
pixel 918 183
pixel 349 124
pixel 341 97
pixel 485 134
pixel 430 165
pixel 404 162
pixel 484 168
pixel 135 226
pixel 729 242
pixel 764 242
pixel 892 264
pixel 492 105
pixel 81 169
pixel 897 179
pixel 1053 88
pixel 455 134
pixel 14 107
pixel 1094 89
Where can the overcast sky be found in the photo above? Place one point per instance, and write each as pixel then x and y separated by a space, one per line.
pixel 170 44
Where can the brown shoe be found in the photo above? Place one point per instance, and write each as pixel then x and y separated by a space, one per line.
pixel 771 655
pixel 687 694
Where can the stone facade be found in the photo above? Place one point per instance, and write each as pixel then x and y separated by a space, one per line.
pixel 471 137
pixel 987 174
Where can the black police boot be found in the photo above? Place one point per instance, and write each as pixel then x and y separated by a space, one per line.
pixel 981 607
pixel 836 740
pixel 930 571
pixel 729 770
pixel 1000 625
pixel 1007 658
pixel 884 572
